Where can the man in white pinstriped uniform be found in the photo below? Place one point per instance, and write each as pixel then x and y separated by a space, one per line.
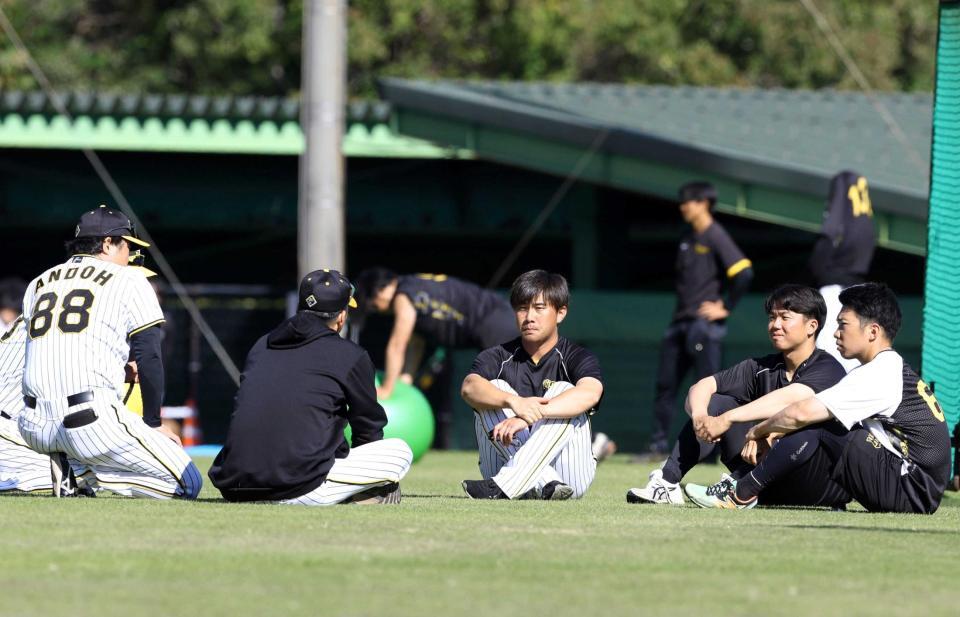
pixel 83 318
pixel 533 397
pixel 302 383
pixel 22 469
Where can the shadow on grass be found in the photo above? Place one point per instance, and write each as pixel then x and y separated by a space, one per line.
pixel 944 532
pixel 34 495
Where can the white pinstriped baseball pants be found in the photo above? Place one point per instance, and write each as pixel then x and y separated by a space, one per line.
pixel 22 469
pixel 123 455
pixel 373 464
pixel 552 449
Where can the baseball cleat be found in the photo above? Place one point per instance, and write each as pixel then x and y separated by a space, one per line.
pixel 724 498
pixel 657 490
pixel 482 489
pixel 556 491
pixel 379 495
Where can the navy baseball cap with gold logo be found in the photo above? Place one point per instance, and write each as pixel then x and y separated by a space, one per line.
pixel 326 291
pixel 103 222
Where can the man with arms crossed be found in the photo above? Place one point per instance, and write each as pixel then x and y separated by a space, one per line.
pixel 880 427
pixel 533 397
pixel 723 405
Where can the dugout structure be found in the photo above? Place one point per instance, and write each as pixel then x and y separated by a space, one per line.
pixel 941 362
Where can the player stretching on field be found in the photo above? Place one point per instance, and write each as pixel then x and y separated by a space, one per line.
pixel 896 455
pixel 83 317
pixel 533 397
pixel 444 310
pixel 723 406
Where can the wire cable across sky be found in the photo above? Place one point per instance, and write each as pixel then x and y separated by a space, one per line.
pixel 101 170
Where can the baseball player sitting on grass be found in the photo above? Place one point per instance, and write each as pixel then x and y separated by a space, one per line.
pixel 723 406
pixel 880 427
pixel 533 397
pixel 83 318
pixel 22 469
pixel 301 384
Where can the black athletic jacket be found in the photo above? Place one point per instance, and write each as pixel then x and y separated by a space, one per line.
pixel 300 386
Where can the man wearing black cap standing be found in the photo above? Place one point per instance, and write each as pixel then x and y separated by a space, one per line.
pixel 708 262
pixel 83 318
pixel 300 387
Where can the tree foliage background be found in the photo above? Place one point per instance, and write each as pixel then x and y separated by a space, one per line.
pixel 245 47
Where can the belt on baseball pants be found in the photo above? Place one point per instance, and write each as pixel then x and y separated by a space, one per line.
pixel 73 399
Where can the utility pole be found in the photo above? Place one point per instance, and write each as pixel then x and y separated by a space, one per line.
pixel 320 214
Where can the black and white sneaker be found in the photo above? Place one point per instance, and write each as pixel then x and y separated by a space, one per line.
pixel 724 486
pixel 657 490
pixel 556 491
pixel 482 489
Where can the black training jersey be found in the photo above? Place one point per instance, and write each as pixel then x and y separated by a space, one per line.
pixel 756 377
pixel 450 311
pixel 704 261
pixel 845 248
pixel 889 399
pixel 565 362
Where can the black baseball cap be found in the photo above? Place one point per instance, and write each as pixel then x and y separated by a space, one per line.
pixel 103 222
pixel 326 291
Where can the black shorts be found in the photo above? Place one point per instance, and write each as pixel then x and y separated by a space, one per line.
pixel 811 484
pixel 872 475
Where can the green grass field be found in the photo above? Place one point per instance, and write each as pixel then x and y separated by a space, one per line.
pixel 439 553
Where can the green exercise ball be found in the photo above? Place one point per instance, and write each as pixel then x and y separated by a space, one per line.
pixel 409 417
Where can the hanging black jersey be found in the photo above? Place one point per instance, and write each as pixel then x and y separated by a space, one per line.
pixel 889 399
pixel 567 361
pixel 450 311
pixel 843 253
pixel 704 262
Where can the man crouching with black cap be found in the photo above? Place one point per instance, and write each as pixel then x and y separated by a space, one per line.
pixel 300 387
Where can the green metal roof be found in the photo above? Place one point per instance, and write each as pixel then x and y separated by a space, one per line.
pixel 239 125
pixel 771 152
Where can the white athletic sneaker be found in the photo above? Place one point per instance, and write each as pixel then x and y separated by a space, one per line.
pixel 657 490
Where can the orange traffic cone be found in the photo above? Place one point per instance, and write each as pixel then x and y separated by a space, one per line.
pixel 191 434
